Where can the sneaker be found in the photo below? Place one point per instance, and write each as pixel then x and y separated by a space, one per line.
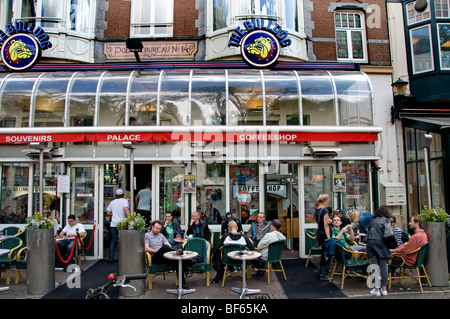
pixel 375 292
pixel 383 292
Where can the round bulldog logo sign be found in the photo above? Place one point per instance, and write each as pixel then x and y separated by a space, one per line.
pixel 20 52
pixel 260 48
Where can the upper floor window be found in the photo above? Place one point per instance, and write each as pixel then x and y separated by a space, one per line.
pixel 151 18
pixel 350 36
pixel 444 44
pixel 421 49
pixel 441 8
pixel 416 14
pixel 225 13
pixel 57 15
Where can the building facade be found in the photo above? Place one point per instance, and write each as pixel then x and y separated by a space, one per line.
pixel 142 91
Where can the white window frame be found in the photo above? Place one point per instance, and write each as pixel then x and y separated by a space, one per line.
pixel 412 50
pixel 418 16
pixel 348 30
pixel 440 51
pixel 136 7
pixel 439 4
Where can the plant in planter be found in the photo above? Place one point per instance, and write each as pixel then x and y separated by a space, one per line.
pixel 37 221
pixel 132 222
pixel 433 215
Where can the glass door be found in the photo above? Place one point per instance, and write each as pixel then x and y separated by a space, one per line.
pixel 84 202
pixel 315 179
pixel 170 195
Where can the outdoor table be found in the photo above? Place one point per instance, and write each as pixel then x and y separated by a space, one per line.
pixel 4 252
pixel 244 256
pixel 173 256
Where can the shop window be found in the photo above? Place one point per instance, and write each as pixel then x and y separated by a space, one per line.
pixel 211 192
pixel 350 36
pixel 415 16
pixel 51 14
pixel 444 45
pixel 244 194
pixel 357 192
pixel 441 7
pixel 421 49
pixel 151 18
pixel 14 199
pixel 171 195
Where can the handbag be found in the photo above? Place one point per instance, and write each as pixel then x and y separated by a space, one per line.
pixel 389 237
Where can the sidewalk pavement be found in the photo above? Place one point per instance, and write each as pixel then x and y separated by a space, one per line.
pixel 353 288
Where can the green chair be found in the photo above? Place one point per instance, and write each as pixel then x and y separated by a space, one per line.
pixel 21 263
pixel 157 269
pixel 347 258
pixel 421 253
pixel 405 237
pixel 314 251
pixel 11 231
pixel 227 261
pixel 203 248
pixel 8 261
pixel 275 250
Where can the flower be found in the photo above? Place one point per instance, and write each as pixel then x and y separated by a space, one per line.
pixel 437 214
pixel 132 222
pixel 37 221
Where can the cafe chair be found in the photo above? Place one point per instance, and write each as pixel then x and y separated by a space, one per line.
pixel 230 262
pixel 408 271
pixel 314 251
pixel 7 261
pixel 348 259
pixel 157 269
pixel 273 256
pixel 405 237
pixel 81 251
pixel 203 248
pixel 21 263
pixel 11 231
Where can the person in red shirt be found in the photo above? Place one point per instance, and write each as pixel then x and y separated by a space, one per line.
pixel 418 239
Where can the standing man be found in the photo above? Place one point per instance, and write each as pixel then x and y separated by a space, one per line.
pixel 143 201
pixel 119 210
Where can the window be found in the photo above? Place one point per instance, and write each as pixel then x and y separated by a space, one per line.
pixel 53 15
pixel 221 14
pixel 151 18
pixel 422 54
pixel 415 16
pixel 441 8
pixel 350 36
pixel 444 45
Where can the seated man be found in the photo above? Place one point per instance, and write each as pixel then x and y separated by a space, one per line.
pixel 69 234
pixel 272 236
pixel 232 237
pixel 157 245
pixel 228 218
pixel 418 239
pixel 171 226
pixel 345 234
pixel 259 228
pixel 197 228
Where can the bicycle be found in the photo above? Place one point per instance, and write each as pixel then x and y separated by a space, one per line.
pixel 101 292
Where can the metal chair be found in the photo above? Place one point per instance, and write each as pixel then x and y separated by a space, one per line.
pixel 203 248
pixel 314 251
pixel 21 263
pixel 275 250
pixel 227 261
pixel 7 261
pixel 11 231
pixel 421 253
pixel 347 258
pixel 157 269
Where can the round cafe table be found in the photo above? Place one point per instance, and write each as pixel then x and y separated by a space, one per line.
pixel 244 256
pixel 173 256
pixel 4 252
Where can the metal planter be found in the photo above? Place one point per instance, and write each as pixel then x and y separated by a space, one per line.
pixel 436 262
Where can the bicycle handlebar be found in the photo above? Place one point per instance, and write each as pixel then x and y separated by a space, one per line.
pixel 135 277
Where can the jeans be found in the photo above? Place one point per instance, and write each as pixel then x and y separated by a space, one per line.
pixel 113 243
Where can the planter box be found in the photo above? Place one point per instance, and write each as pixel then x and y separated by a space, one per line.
pixel 40 261
pixel 435 261
pixel 131 260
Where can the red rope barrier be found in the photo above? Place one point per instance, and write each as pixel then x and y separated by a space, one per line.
pixel 59 255
pixel 90 243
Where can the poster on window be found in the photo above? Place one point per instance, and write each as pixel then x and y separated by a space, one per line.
pixel 189 183
pixel 339 182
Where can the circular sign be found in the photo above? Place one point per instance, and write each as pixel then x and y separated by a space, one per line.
pixel 260 48
pixel 20 52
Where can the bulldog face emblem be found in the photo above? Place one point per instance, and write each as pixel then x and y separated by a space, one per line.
pixel 18 51
pixel 262 48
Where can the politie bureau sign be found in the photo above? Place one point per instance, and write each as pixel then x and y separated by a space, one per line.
pixel 21 45
pixel 260 42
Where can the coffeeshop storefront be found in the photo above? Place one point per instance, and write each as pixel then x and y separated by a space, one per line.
pixel 244 140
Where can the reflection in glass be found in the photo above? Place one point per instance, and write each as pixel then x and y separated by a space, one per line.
pixel 170 192
pixel 14 199
pixel 317 180
pixel 444 42
pixel 317 99
pixel 221 14
pixel 421 47
pixel 82 197
pixel 112 99
pixel 357 194
pixel 174 103
pixel 244 194
pixel 211 192
pixel 143 98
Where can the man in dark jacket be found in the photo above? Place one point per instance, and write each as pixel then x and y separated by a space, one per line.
pixel 232 237
pixel 171 226
pixel 197 228
pixel 229 217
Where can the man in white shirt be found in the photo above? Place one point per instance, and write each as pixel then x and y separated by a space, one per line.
pixel 69 234
pixel 273 236
pixel 119 210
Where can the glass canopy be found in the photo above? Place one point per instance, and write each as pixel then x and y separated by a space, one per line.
pixel 185 98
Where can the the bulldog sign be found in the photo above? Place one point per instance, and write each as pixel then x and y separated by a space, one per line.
pixel 21 45
pixel 261 42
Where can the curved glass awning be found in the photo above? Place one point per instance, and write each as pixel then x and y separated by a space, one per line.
pixel 162 105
